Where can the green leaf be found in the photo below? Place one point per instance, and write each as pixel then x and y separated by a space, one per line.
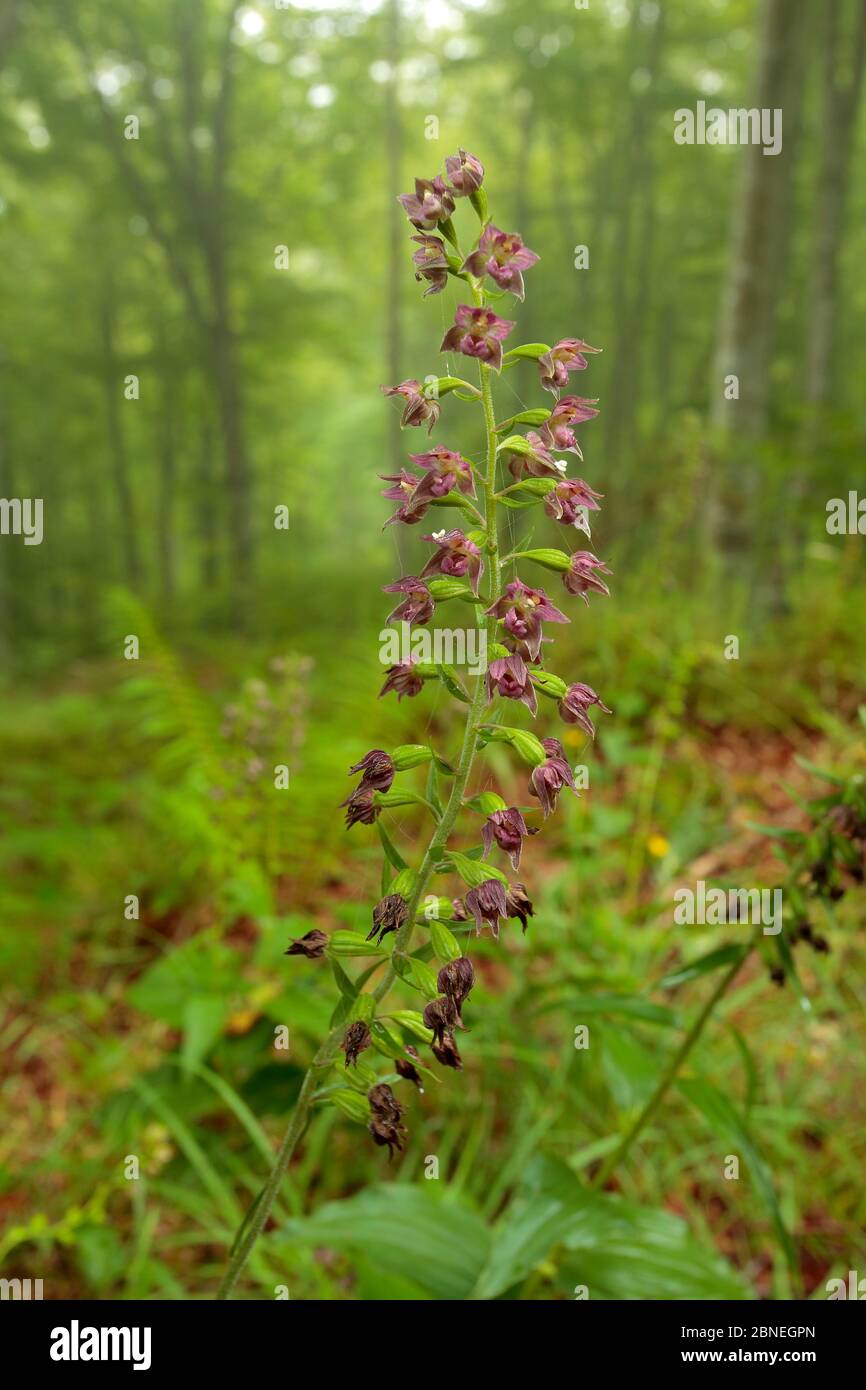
pixel 478 199
pixel 472 871
pixel 527 744
pixel 404 883
pixel 549 559
pixel 618 1249
pixel 515 444
pixel 731 1127
pixel 408 1231
pixel 203 1021
pixel 385 1040
pixel 445 944
pixel 486 803
pixel 536 415
pixel 529 350
pixel 409 755
pixel 819 771
pixel 453 499
pixel 549 684
pixel 352 943
pixel 357 1107
pixel 777 832
pixel 629 1069
pixel 413 1023
pixel 454 383
pixel 449 679
pixel 391 853
pixel 417 974
pixel 443 589
pixel 713 960
pixel 345 985
pixel 622 1006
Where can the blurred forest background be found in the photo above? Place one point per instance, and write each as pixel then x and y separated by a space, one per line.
pixel 244 258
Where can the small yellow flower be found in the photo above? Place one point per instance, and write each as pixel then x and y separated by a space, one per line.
pixel 658 846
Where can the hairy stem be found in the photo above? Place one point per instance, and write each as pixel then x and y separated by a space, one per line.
pixel 325 1056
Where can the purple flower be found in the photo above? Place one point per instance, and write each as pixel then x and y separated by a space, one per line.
pixel 402 679
pixel 487 904
pixel 565 356
pixel 537 463
pixel 567 501
pixel 547 781
pixel 404 485
pixel 419 407
pixel 389 914
pixel 523 610
pixel 444 470
pixel 416 607
pixel 465 172
pixel 360 808
pixel 509 677
pixel 355 1039
pixel 518 904
pixel 431 203
pixel 574 704
pixel 503 256
pixel 457 556
pixel 521 649
pixel 312 945
pixel 509 830
pixel 579 577
pixel 377 770
pixel 557 431
pixel 432 263
pixel 477 332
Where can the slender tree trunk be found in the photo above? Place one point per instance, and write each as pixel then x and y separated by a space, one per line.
pixel 112 376
pixel 7 489
pixel 226 368
pixel 396 250
pixel 206 507
pixel 634 306
pixel 745 337
pixel 840 103
pixel 165 521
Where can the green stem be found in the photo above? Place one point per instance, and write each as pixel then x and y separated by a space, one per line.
pixel 325 1056
pixel 621 1151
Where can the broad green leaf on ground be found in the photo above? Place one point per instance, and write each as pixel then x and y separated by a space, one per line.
pixel 730 1126
pixel 619 1250
pixel 408 1232
pixel 630 1069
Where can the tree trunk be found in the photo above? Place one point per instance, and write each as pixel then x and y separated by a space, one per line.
pixel 112 375
pixel 745 338
pixel 840 103
pixel 396 244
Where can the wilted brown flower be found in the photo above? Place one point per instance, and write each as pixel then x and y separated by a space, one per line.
pixel 455 981
pixel 446 1053
pixel 312 945
pixel 389 914
pixel 518 905
pixel 385 1126
pixel 355 1040
pixel 409 1072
